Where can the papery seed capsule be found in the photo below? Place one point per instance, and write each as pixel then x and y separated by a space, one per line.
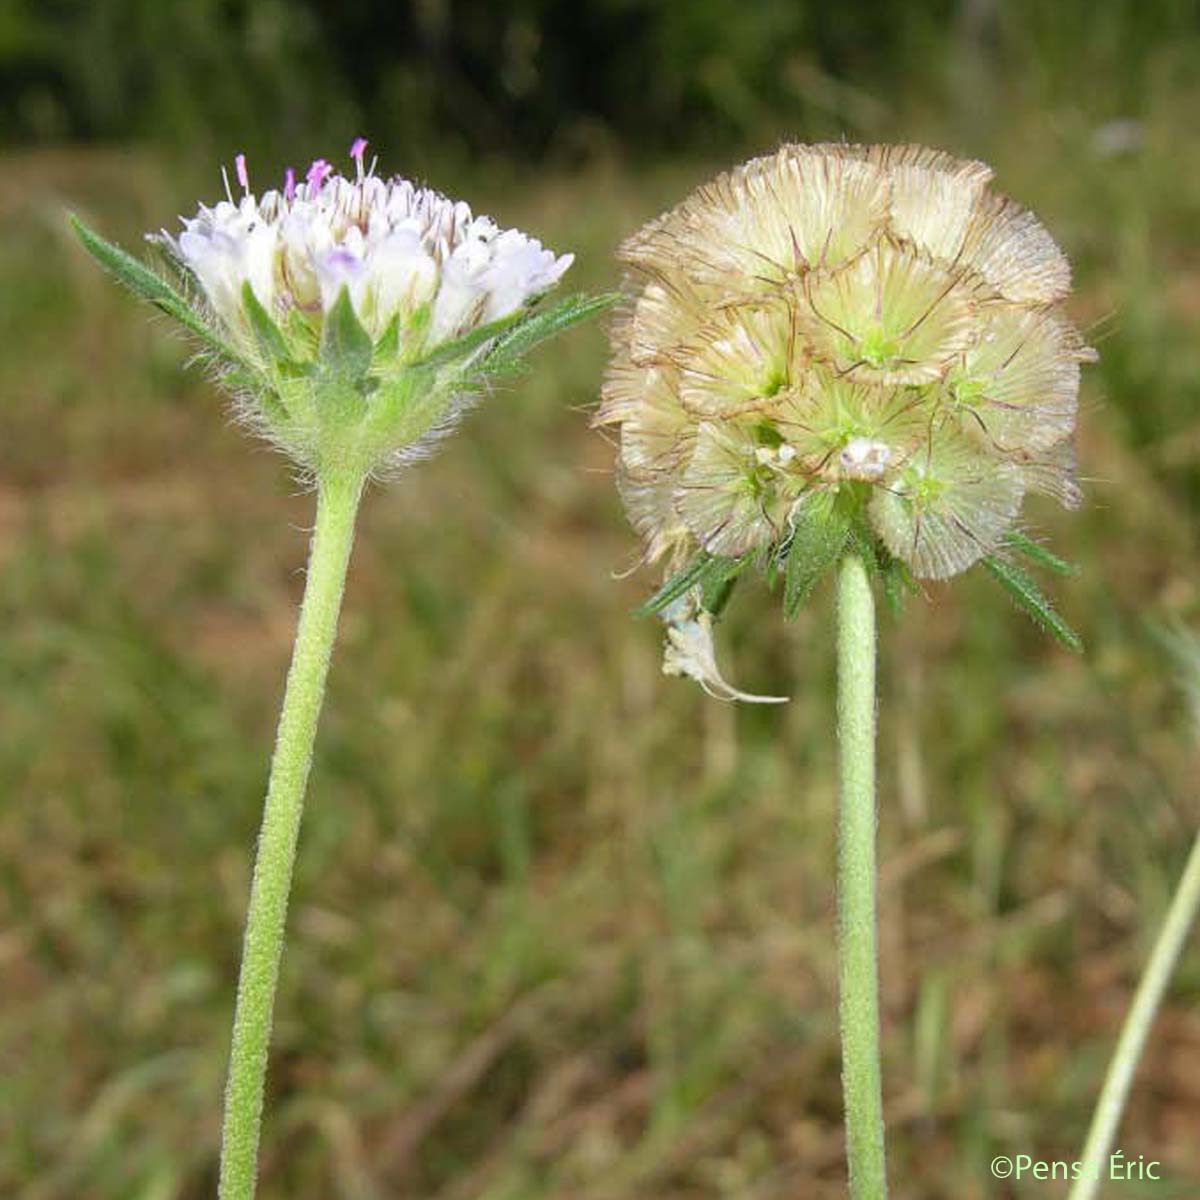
pixel 879 312
pixel 867 325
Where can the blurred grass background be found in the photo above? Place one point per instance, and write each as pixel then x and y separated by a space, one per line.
pixel 562 927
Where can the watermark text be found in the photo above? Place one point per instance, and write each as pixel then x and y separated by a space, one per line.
pixel 1119 1167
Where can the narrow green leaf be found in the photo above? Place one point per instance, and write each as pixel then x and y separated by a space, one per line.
pixel 820 531
pixel 713 574
pixel 346 347
pixel 1038 553
pixel 863 542
pixel 717 581
pixel 685 578
pixel 147 285
pixel 1018 583
pixel 540 325
pixel 136 276
pixel 463 346
pixel 265 330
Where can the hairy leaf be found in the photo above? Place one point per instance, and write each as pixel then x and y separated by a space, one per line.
pixel 713 574
pixel 147 285
pixel 511 347
pixel 716 585
pixel 465 345
pixel 820 531
pixel 897 583
pixel 1017 582
pixel 1038 553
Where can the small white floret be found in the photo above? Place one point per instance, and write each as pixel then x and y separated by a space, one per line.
pixel 689 651
pixel 391 245
pixel 864 458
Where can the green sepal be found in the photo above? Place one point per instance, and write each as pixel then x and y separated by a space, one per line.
pixel 820 531
pixel 266 332
pixel 1038 553
pixel 711 573
pixel 346 347
pixel 1018 583
pixel 388 345
pixel 147 285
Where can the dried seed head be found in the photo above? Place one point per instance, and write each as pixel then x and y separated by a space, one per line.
pixel 868 321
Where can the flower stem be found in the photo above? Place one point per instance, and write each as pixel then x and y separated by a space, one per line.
pixel 858 954
pixel 1136 1030
pixel 329 555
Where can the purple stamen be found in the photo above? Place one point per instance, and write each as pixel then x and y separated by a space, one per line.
pixel 358 148
pixel 316 175
pixel 239 163
pixel 289 185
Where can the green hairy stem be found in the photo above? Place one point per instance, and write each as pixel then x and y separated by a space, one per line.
pixel 858 953
pixel 333 536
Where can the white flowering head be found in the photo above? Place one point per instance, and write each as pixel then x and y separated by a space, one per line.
pixel 355 316
pixel 841 346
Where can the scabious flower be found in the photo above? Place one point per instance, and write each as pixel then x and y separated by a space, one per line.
pixel 407 256
pixel 839 342
pixel 354 317
pixel 345 284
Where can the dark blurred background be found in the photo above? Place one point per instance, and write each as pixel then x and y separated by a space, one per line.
pixel 536 79
pixel 563 928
